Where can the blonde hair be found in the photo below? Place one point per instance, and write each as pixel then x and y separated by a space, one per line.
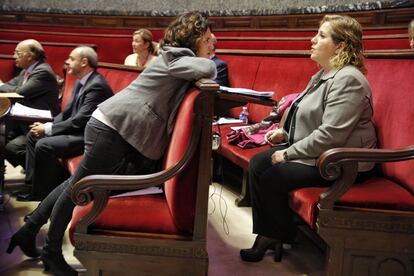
pixel 411 29
pixel 146 36
pixel 347 30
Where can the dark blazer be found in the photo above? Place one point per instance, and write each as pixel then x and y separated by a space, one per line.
pixel 222 72
pixel 40 91
pixel 95 91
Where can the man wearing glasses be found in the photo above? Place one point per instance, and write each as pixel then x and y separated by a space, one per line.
pixel 37 83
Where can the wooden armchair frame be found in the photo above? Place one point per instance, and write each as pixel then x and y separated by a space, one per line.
pixel 128 253
pixel 363 240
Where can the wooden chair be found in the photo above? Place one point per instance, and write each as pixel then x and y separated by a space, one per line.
pixel 153 234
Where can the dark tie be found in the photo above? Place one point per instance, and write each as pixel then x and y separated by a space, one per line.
pixel 76 93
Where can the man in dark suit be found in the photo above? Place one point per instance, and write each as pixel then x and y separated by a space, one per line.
pixel 222 71
pixel 64 137
pixel 37 83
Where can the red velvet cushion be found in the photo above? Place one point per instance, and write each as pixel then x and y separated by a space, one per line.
pixel 392 89
pixel 117 79
pixel 67 91
pixel 143 213
pixel 180 191
pixel 242 73
pixel 7 69
pixel 239 156
pixel 375 193
pixel 73 163
pixel 282 75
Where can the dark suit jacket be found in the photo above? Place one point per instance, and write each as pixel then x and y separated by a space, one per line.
pixel 222 72
pixel 95 91
pixel 40 90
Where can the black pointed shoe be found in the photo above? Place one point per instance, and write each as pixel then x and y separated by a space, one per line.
pixel 26 240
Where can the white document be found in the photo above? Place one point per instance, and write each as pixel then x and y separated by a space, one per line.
pixel 223 121
pixel 238 127
pixel 247 92
pixel 146 191
pixel 20 110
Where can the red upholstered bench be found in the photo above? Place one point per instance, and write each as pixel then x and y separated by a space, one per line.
pixel 367 226
pixel 8 67
pixel 125 234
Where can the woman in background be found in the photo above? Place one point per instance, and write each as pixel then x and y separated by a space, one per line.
pixel 335 110
pixel 144 49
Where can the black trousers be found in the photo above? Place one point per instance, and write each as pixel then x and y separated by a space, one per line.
pixel 105 152
pixel 270 186
pixel 44 170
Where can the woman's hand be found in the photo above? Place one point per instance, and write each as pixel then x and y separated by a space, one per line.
pixel 274 137
pixel 277 157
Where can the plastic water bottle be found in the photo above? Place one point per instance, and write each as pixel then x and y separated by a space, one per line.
pixel 244 115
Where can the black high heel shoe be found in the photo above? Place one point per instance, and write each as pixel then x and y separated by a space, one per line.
pixel 57 264
pixel 26 240
pixel 260 246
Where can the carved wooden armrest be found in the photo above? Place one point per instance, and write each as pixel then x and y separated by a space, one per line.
pixel 341 165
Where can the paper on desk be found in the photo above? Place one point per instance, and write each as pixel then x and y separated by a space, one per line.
pixel 24 111
pixel 238 127
pixel 247 92
pixel 223 121
pixel 11 95
pixel 146 191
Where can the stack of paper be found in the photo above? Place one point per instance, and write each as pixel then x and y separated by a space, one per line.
pixel 20 110
pixel 247 92
pixel 223 121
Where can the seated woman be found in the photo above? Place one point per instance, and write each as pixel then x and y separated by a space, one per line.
pixel 144 49
pixel 335 110
pixel 128 127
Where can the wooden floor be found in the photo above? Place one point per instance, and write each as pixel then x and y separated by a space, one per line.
pixel 229 229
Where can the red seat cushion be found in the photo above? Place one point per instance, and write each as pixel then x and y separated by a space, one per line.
pixel 241 157
pixel 143 213
pixel 375 193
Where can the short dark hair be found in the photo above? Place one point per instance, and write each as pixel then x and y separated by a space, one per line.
pixel 186 31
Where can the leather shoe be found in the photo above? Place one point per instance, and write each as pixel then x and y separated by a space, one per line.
pixel 260 246
pixel 26 240
pixel 24 190
pixel 57 264
pixel 28 197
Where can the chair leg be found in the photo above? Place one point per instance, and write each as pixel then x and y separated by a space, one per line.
pixel 244 198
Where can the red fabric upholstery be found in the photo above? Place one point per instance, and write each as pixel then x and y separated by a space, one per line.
pixel 182 207
pixel 393 112
pixel 172 213
pixel 8 69
pixel 146 214
pixel 376 193
pixel 117 80
pixel 378 44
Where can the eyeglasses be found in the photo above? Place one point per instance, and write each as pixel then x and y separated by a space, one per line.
pixel 19 53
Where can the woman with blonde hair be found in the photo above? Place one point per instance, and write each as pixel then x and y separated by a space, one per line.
pixel 335 110
pixel 144 48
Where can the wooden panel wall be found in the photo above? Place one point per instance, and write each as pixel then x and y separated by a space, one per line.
pixel 377 18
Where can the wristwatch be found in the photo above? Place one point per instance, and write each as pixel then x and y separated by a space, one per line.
pixel 285 156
